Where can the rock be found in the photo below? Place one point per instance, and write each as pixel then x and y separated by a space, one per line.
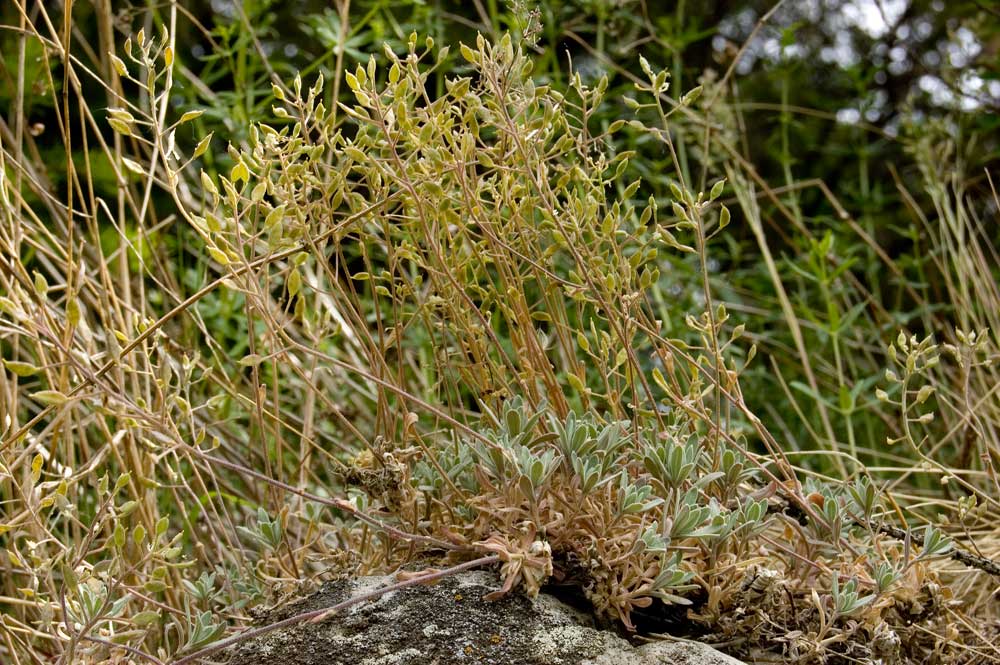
pixel 450 624
pixel 681 653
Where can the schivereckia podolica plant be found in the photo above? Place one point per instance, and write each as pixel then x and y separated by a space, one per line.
pixel 451 351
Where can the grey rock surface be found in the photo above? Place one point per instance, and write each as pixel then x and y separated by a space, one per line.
pixel 450 624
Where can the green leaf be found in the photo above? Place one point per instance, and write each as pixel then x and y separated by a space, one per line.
pixel 36 467
pixel 120 126
pixel 208 184
pixel 118 64
pixel 274 217
pixel 190 115
pixel 49 397
pixel 660 380
pixel 239 172
pixel 154 586
pixel 127 508
pixel 846 401
pixel 219 256
pixel 251 360
pixel 202 146
pixel 145 618
pixel 294 283
pixel 691 96
pixel 133 166
pixel 20 368
pixel 576 383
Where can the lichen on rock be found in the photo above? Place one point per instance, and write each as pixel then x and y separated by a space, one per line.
pixel 451 623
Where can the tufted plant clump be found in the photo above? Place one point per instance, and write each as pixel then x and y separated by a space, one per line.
pixel 577 444
pixel 639 519
pixel 627 515
pixel 451 354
